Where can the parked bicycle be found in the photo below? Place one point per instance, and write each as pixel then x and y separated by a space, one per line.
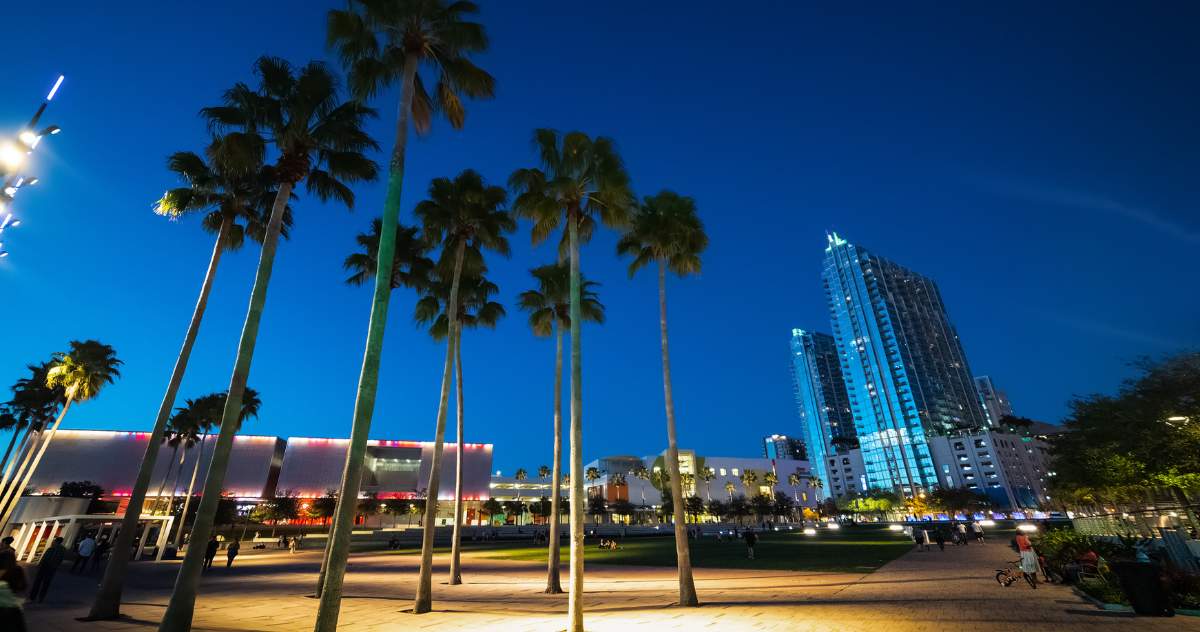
pixel 1011 573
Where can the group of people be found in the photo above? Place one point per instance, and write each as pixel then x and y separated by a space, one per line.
pixel 89 554
pixel 210 552
pixel 959 533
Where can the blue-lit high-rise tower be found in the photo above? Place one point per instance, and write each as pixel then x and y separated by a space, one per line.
pixel 906 374
pixel 821 402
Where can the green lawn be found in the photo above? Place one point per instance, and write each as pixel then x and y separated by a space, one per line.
pixel 847 550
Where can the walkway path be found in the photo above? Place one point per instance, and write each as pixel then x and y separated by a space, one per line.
pixel 950 590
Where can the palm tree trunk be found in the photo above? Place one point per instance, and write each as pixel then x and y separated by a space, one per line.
pixel 22 466
pixel 11 443
pixel 575 599
pixel 455 546
pixel 178 617
pixel 187 502
pixel 22 455
pixel 338 544
pixel 167 474
pixel 553 583
pixel 687 587
pixel 175 484
pixel 424 599
pixel 14 491
pixel 107 604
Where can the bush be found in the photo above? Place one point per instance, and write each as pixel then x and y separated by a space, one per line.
pixel 1063 546
pixel 1103 591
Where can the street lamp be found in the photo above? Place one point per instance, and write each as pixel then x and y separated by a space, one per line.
pixel 13 157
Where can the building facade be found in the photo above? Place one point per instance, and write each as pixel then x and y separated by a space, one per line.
pixel 993 400
pixel 905 371
pixel 260 467
pixel 778 446
pixel 821 401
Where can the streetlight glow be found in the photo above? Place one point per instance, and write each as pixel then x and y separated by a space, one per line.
pixel 28 137
pixel 10 156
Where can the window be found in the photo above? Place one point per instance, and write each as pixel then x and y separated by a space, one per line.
pixel 804 496
pixel 735 472
pixel 722 471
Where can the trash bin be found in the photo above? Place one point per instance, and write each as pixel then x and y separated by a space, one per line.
pixel 1142 583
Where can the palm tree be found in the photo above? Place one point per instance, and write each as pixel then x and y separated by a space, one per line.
pixel 543 472
pixel 729 487
pixel 793 480
pixel 592 475
pixel 465 216
pixel 640 472
pixel 411 269
pixel 182 430
pixel 707 475
pixel 581 178
pixel 770 480
pixel 475 308
pixel 749 478
pixel 33 406
pixel 234 191
pixel 206 411
pixel 666 230
pixel 320 141
pixel 81 374
pixel 520 476
pixel 549 308
pixel 383 43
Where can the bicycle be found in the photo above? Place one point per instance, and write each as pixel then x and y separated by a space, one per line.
pixel 1011 573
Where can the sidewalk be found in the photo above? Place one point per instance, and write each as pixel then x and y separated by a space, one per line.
pixel 921 591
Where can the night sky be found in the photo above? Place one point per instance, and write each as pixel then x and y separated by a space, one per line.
pixel 1039 163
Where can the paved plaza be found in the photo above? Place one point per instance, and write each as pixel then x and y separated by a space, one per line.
pixel 951 590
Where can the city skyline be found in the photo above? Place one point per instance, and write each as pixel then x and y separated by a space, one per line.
pixel 996 230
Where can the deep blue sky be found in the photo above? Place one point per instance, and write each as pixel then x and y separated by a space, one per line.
pixel 1040 163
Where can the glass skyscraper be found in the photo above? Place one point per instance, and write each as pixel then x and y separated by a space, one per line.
pixel 821 400
pixel 906 374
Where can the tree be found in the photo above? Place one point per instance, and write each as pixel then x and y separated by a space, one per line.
pixel 383 43
pixel 784 505
pixel 33 406
pixel 749 480
pixel 491 507
pixel 762 505
pixel 549 307
pixel 597 508
pixel 708 475
pixel 956 499
pixel 622 508
pixel 666 230
pixel 729 487
pixel 770 480
pixel 520 476
pixel 465 216
pixel 324 507
pixel 80 374
pixel 233 189
pixel 80 489
pixel 640 472
pixel 739 508
pixel 515 509
pixel 541 508
pixel 717 509
pixel 543 472
pixel 581 179
pixel 694 506
pixel 320 142
pixel 207 412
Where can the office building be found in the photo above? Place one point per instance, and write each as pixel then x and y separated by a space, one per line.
pixel 821 401
pixel 778 446
pixel 993 400
pixel 905 371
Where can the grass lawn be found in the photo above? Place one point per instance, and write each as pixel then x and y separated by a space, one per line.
pixel 847 550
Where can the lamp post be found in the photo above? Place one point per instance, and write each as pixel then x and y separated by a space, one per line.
pixel 13 155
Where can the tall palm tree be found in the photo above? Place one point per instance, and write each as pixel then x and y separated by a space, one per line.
pixel 383 43
pixel 320 142
pixel 666 230
pixel 544 472
pixel 182 431
pixel 411 268
pixel 81 374
pixel 640 472
pixel 234 190
pixel 475 309
pixel 33 407
pixel 549 308
pixel 749 478
pixel 729 487
pixel 793 480
pixel 465 216
pixel 707 474
pixel 581 178
pixel 206 411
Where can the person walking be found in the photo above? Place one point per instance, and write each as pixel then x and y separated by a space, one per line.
pixel 101 553
pixel 978 529
pixel 751 540
pixel 12 584
pixel 210 552
pixel 6 544
pixel 1029 559
pixel 939 536
pixel 52 558
pixel 962 533
pixel 231 552
pixel 925 540
pixel 83 553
